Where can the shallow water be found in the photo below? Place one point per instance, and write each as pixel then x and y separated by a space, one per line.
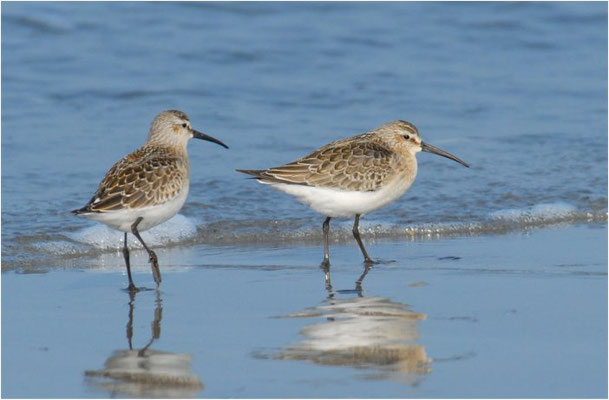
pixel 457 317
pixel 495 283
pixel 516 89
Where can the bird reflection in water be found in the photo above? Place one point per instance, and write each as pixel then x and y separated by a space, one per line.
pixel 370 333
pixel 358 283
pixel 146 372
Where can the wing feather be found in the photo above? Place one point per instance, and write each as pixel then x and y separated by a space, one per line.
pixel 144 178
pixel 356 164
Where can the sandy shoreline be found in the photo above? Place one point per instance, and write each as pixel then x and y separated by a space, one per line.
pixel 515 315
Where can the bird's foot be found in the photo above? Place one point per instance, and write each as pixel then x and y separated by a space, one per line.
pixel 370 262
pixel 132 288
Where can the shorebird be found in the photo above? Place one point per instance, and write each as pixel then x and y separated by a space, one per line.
pixel 148 186
pixel 354 176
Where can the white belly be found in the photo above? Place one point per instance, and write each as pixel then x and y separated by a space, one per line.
pixel 151 216
pixel 343 203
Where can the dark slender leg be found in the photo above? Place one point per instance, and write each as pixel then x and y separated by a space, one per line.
pixel 156 273
pixel 326 229
pixel 367 258
pixel 131 286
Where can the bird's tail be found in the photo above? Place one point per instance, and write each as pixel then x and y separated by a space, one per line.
pixel 84 210
pixel 255 173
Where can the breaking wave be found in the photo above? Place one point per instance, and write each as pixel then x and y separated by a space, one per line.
pixel 181 231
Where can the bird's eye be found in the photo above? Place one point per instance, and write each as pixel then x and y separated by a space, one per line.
pixel 184 125
pixel 406 137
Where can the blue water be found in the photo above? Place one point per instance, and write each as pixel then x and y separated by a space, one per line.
pixel 493 324
pixel 518 90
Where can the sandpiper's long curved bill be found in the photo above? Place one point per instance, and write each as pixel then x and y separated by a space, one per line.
pixel 431 149
pixel 202 136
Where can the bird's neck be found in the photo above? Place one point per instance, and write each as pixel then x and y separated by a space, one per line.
pixel 410 165
pixel 176 142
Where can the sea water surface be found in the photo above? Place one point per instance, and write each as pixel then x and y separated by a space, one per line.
pixel 518 90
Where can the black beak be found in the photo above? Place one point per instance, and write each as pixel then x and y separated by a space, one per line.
pixel 201 135
pixel 431 149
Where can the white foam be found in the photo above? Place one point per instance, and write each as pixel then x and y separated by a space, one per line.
pixel 543 211
pixel 175 230
pixel 58 247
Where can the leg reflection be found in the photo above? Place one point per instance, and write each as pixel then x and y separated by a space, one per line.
pixel 371 333
pixel 328 281
pixel 146 372
pixel 156 323
pixel 130 319
pixel 358 284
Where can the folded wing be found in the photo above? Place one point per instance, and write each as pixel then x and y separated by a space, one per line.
pixel 349 164
pixel 144 178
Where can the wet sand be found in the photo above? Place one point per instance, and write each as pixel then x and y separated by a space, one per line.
pixel 513 315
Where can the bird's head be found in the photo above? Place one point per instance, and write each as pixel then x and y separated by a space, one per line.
pixel 405 135
pixel 173 128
